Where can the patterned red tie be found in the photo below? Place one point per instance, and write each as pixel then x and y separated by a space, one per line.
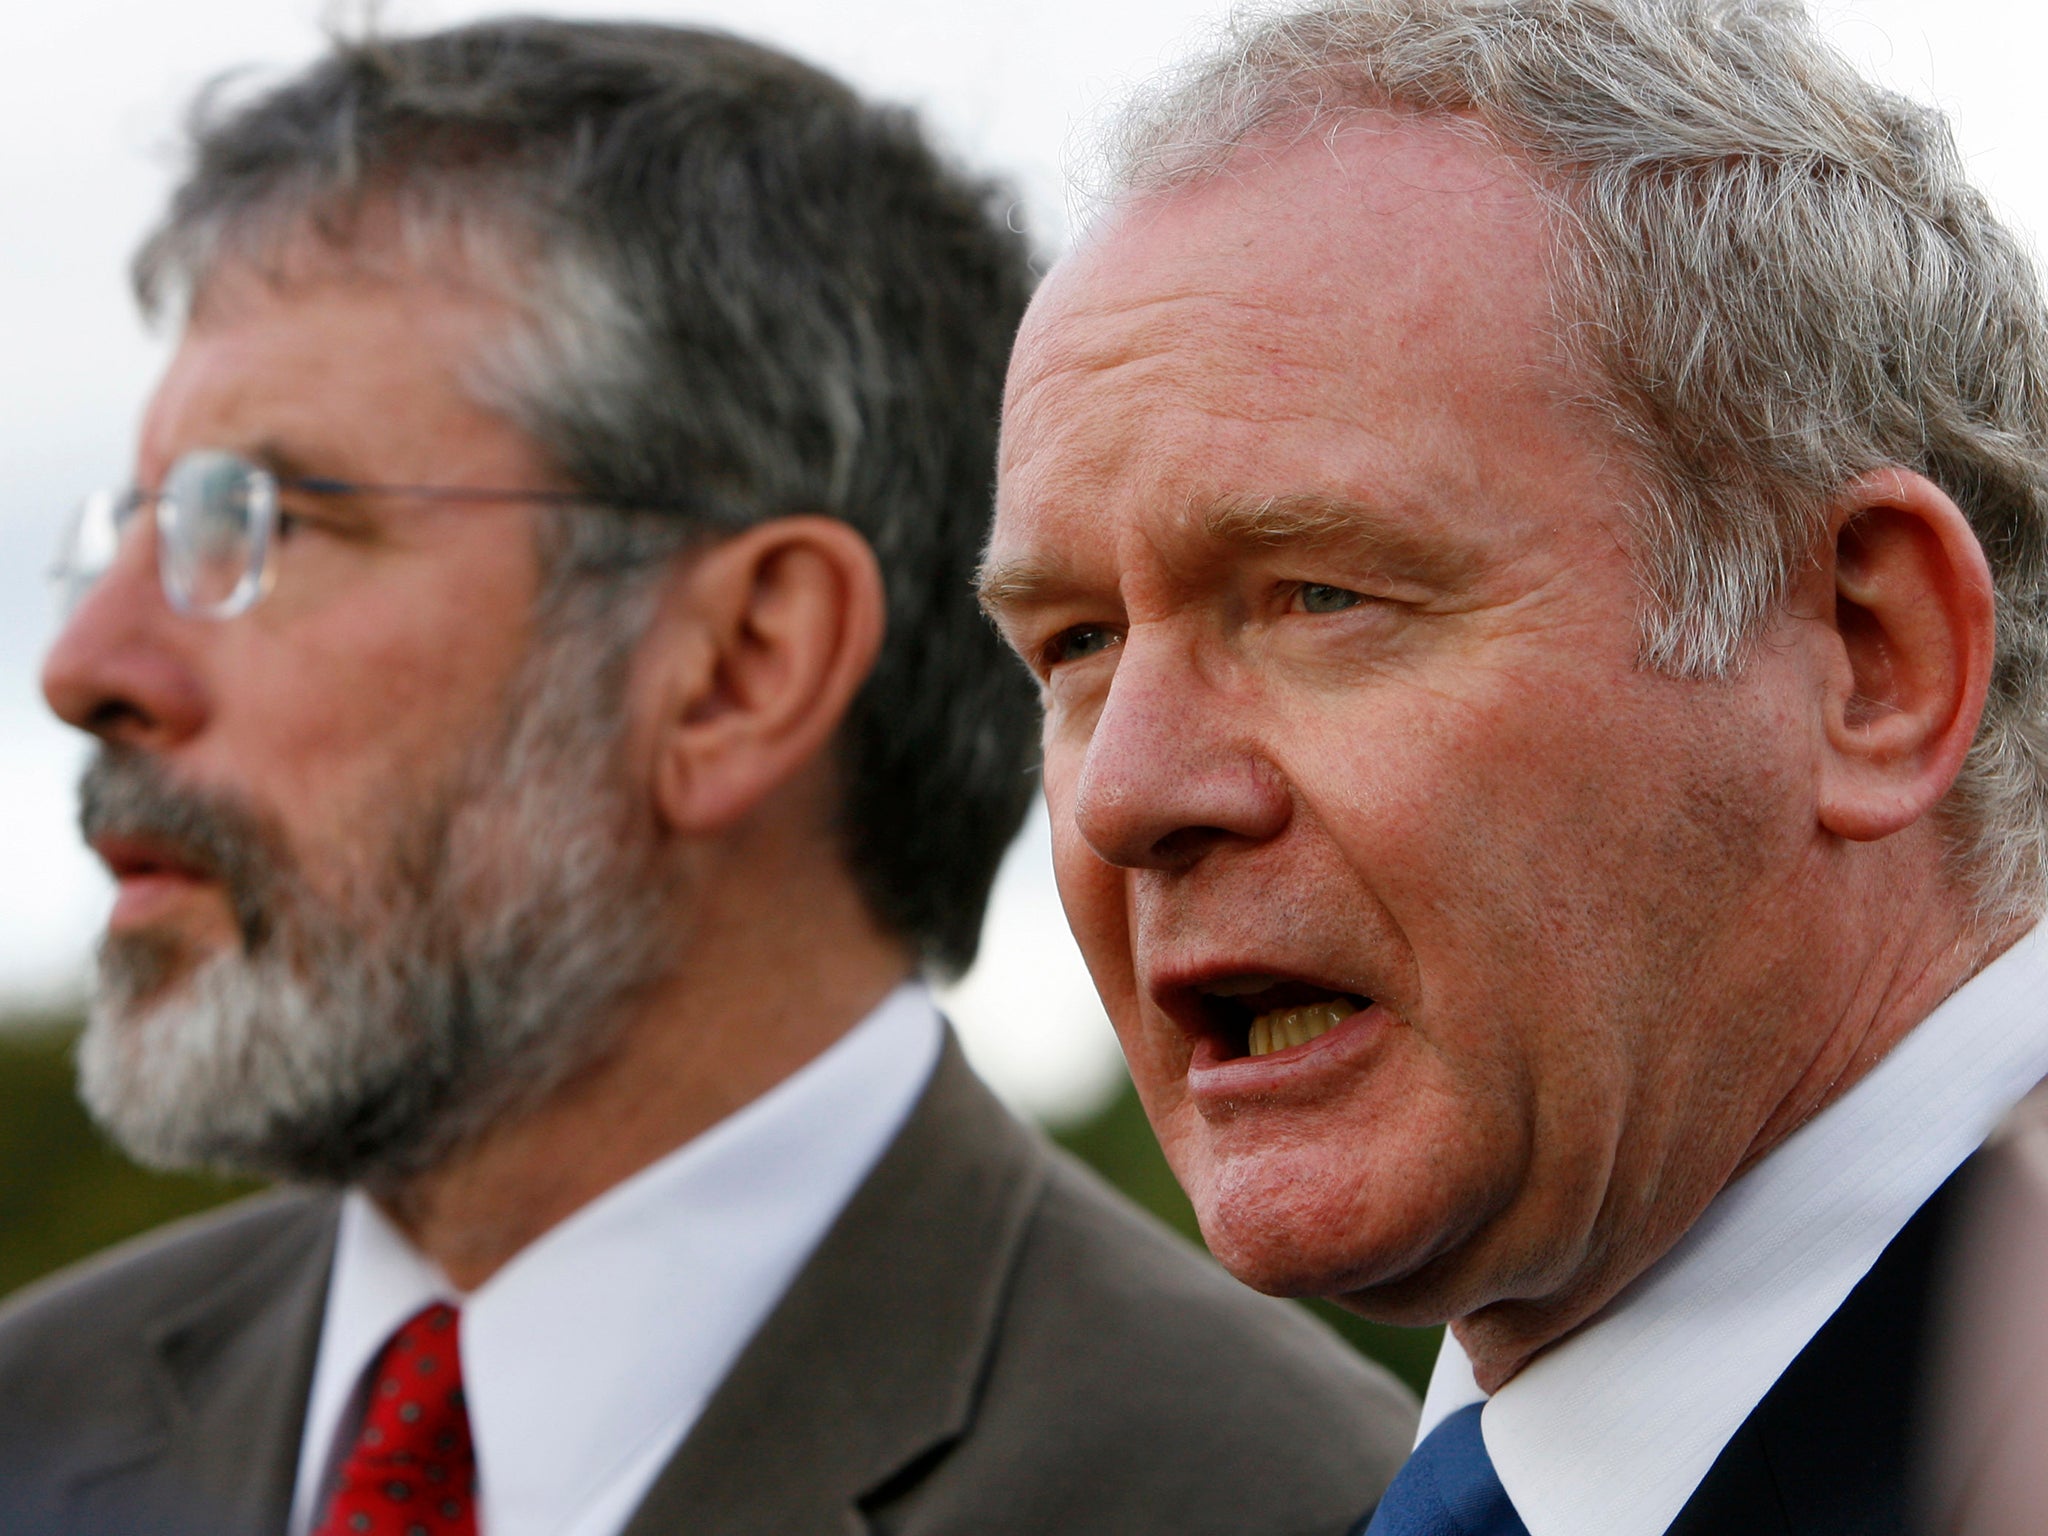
pixel 413 1469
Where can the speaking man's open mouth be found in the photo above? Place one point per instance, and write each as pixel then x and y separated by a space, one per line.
pixel 1262 1015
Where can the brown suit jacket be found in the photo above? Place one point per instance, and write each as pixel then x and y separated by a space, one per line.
pixel 988 1341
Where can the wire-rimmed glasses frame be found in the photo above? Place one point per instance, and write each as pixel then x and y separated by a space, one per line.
pixel 217 516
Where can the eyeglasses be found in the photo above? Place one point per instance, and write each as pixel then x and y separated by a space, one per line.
pixel 216 524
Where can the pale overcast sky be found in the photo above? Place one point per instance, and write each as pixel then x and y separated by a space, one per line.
pixel 87 149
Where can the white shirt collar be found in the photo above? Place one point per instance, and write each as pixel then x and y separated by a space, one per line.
pixel 587 1358
pixel 1609 1432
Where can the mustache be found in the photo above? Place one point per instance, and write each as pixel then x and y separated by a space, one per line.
pixel 124 792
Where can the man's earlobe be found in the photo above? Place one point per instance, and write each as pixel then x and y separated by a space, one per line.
pixel 1912 626
pixel 773 632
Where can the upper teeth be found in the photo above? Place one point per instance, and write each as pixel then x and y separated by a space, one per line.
pixel 1283 1027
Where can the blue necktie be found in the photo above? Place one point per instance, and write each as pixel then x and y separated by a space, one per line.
pixel 1447 1488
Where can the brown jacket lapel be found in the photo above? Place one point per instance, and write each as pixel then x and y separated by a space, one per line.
pixel 872 1359
pixel 212 1444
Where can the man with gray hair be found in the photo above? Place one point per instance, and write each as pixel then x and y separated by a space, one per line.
pixel 544 729
pixel 1530 521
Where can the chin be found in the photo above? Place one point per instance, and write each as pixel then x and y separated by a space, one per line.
pixel 1378 1228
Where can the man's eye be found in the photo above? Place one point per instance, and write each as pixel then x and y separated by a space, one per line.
pixel 317 515
pixel 1079 643
pixel 303 514
pixel 1318 598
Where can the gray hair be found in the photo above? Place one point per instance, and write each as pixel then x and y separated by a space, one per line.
pixel 744 292
pixel 1776 275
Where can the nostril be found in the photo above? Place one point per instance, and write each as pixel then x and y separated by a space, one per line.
pixel 115 717
pixel 1186 846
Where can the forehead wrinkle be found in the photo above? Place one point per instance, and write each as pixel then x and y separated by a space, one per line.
pixel 1071 335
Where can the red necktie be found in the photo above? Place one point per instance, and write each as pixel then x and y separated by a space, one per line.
pixel 413 1470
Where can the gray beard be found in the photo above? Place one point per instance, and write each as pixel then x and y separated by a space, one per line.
pixel 484 952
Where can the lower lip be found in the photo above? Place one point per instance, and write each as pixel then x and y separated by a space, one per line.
pixel 143 899
pixel 1338 1051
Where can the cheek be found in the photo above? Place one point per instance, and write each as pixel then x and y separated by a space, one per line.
pixel 1515 869
pixel 348 725
pixel 1563 891
pixel 1492 810
pixel 339 722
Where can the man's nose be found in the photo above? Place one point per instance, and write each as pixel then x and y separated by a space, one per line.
pixel 1172 770
pixel 114 669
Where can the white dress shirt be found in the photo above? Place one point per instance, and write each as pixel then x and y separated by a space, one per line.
pixel 1609 1432
pixel 588 1357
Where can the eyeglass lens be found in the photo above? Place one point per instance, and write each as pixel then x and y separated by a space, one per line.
pixel 214 516
pixel 90 543
pixel 214 520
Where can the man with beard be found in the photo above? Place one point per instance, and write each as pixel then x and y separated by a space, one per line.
pixel 543 730
pixel 1531 521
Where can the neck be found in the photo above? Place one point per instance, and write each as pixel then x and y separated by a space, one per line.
pixel 771 979
pixel 1872 981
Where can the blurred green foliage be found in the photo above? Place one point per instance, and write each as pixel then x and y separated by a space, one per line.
pixel 65 1192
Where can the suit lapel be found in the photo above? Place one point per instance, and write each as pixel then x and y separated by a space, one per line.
pixel 1828 1452
pixel 217 1451
pixel 869 1365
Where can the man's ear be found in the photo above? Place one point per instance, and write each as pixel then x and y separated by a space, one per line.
pixel 761 643
pixel 1910 647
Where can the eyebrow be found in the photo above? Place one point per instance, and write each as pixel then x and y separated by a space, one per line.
pixel 1309 521
pixel 1316 521
pixel 280 461
pixel 1005 585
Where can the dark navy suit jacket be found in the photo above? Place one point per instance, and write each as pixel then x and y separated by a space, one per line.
pixel 1832 1448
